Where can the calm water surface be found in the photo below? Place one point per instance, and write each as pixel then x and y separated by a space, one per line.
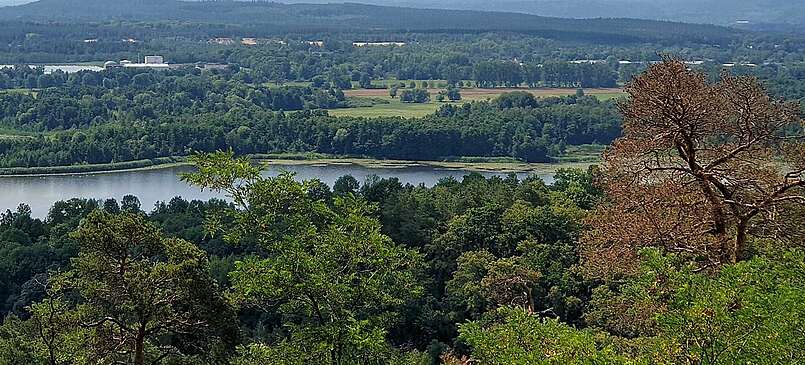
pixel 151 186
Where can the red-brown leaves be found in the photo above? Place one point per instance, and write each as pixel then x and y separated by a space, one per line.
pixel 700 166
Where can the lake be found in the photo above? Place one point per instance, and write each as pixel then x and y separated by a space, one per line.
pixel 151 186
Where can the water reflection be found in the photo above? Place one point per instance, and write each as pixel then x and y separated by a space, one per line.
pixel 151 186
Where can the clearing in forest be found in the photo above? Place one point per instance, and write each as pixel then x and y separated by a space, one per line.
pixel 396 108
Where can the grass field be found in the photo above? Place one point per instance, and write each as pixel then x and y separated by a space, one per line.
pixel 274 85
pixel 138 165
pixel 395 108
pixel 19 91
pixel 9 133
pixel 581 154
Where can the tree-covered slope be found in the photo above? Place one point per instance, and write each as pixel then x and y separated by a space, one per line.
pixel 724 12
pixel 322 17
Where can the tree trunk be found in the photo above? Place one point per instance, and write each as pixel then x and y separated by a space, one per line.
pixel 139 347
pixel 740 241
pixel 52 356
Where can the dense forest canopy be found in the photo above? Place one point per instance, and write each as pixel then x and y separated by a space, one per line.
pixel 589 269
pixel 122 115
pixel 532 132
pixel 682 245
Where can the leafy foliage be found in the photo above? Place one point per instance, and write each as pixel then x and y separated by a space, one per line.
pixel 327 270
pixel 477 129
pixel 526 339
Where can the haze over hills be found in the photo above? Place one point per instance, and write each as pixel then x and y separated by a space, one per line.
pixel 721 12
pixel 325 17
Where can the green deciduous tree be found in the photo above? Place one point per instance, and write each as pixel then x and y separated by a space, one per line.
pixel 483 282
pixel 752 312
pixel 146 298
pixel 346 184
pixel 749 312
pixel 415 96
pixel 453 93
pixel 131 296
pixel 325 269
pixel 520 338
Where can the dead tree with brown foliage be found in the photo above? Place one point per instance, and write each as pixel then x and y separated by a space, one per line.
pixel 700 168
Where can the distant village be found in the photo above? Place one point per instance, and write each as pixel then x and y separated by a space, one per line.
pixel 314 43
pixel 251 41
pixel 158 62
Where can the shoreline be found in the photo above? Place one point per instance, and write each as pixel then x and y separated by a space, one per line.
pixel 159 166
pixel 499 167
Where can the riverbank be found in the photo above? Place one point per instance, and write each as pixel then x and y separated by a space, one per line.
pixel 492 164
pixel 89 169
pixel 497 167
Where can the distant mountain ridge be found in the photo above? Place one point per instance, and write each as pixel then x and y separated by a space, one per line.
pixel 721 12
pixel 351 16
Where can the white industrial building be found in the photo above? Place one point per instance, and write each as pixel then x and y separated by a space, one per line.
pixel 378 44
pixel 152 62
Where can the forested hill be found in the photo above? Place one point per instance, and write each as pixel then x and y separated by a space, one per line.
pixel 723 12
pixel 334 17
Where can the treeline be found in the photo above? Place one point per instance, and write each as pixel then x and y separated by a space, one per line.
pixel 426 54
pixel 279 71
pixel 516 124
pixel 555 74
pixel 78 100
pixel 273 18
